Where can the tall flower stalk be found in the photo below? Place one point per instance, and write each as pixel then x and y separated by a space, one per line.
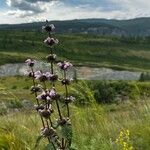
pixel 57 130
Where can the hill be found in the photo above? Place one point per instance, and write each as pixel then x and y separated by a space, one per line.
pixel 132 27
pixel 87 50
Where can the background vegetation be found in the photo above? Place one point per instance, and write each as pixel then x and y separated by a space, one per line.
pixel 102 108
pixel 94 50
pixel 96 126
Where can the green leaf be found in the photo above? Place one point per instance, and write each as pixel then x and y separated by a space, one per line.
pixel 49 147
pixel 67 133
pixel 40 137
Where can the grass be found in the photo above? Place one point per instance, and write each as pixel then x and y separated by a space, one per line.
pixel 88 50
pixel 94 126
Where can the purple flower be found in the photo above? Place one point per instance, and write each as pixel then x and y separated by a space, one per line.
pixel 41 96
pixel 30 62
pixel 37 74
pixel 51 41
pixel 64 65
pixel 47 74
pixel 42 76
pixel 53 94
pixel 48 28
pixel 44 96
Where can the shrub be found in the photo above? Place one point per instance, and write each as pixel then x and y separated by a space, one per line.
pixel 83 93
pixel 104 92
pixel 145 76
pixel 126 89
pixel 13 103
pixel 144 88
pixel 3 109
pixel 114 91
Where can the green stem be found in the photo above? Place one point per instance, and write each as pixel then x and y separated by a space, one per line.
pixel 66 89
pixel 34 84
pixel 52 71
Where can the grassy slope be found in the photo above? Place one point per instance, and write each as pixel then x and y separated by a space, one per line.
pixel 95 127
pixel 16 46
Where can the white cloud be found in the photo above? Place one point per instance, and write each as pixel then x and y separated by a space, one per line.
pixel 37 10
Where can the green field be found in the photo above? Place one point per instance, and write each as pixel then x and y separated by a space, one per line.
pixel 99 119
pixel 95 126
pixel 90 50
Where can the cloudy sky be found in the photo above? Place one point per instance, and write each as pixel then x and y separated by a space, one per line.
pixel 23 11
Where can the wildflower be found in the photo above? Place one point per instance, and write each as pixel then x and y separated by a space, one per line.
pixel 48 28
pixel 37 88
pixel 45 113
pixel 30 62
pixel 117 141
pixel 124 140
pixel 53 94
pixel 44 96
pixel 48 132
pixel 42 76
pixel 30 74
pixel 62 121
pixel 53 77
pixel 51 41
pixel 64 65
pixel 127 132
pixel 65 82
pixel 51 57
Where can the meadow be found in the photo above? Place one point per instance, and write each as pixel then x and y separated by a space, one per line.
pixel 112 115
pixel 94 50
pixel 95 126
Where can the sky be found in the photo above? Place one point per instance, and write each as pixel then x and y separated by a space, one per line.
pixel 24 11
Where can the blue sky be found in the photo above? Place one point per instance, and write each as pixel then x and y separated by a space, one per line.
pixel 22 11
pixel 3 4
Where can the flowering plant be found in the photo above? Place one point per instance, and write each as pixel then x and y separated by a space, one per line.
pixel 57 130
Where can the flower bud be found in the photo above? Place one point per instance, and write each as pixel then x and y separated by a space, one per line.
pixel 42 78
pixel 53 94
pixel 53 77
pixel 35 89
pixel 62 121
pixel 64 65
pixel 48 28
pixel 51 41
pixel 45 113
pixel 31 74
pixel 65 82
pixel 30 62
pixel 51 58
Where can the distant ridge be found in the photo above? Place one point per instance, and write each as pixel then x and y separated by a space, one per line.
pixel 132 27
